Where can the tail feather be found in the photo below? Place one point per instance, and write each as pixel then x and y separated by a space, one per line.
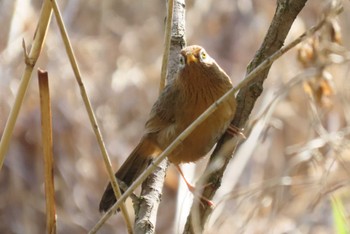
pixel 134 165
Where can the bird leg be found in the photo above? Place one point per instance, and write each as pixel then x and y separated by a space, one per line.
pixel 192 189
pixel 233 131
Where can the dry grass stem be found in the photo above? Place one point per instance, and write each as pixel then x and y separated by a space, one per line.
pixel 90 111
pixel 46 128
pixel 30 61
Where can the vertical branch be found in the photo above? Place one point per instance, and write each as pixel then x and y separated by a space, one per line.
pixel 286 12
pixel 147 208
pixel 177 43
pixel 46 131
pixel 30 61
pixel 145 220
pixel 177 40
pixel 167 42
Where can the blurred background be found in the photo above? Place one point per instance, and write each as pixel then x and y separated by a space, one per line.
pixel 297 163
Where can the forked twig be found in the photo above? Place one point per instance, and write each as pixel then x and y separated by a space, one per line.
pixel 30 61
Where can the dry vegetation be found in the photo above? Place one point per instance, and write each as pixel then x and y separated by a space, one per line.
pixel 298 162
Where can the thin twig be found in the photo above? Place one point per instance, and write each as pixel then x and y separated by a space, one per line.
pixel 30 61
pixel 46 127
pixel 89 110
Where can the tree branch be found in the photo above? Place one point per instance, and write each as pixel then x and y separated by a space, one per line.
pixel 286 12
pixel 147 208
pixel 256 74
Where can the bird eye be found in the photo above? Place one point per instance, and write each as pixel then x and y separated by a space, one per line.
pixel 204 57
pixel 182 61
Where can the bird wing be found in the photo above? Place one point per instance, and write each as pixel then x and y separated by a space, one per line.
pixel 163 111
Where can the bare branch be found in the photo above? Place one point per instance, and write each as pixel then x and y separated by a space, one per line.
pixel 286 12
pixel 146 212
pixel 250 90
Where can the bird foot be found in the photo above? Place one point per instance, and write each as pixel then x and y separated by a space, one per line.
pixel 233 131
pixel 203 200
pixel 194 191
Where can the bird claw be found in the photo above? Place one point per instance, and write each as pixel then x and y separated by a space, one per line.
pixel 233 131
pixel 194 191
pixel 205 201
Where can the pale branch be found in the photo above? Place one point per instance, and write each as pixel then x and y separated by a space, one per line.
pixel 178 39
pixel 147 207
pixel 167 41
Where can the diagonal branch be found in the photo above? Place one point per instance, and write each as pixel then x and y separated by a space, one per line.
pixel 89 110
pixel 286 12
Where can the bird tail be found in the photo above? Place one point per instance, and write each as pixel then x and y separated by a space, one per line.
pixel 135 164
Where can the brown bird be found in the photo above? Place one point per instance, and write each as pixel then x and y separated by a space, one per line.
pixel 199 83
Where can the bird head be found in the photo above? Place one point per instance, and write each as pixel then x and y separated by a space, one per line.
pixel 194 55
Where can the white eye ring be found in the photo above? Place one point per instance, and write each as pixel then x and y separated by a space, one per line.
pixel 204 57
pixel 181 61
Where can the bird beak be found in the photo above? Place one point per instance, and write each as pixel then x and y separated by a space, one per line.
pixel 190 58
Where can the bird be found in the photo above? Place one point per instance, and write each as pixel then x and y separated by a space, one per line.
pixel 198 83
